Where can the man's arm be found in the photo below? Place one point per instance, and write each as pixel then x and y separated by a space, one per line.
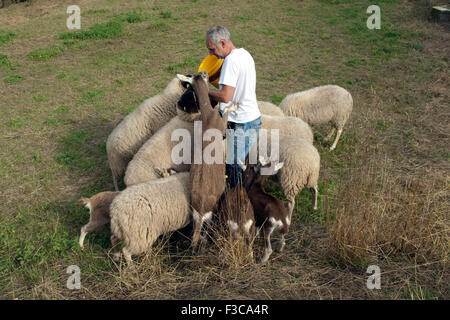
pixel 223 95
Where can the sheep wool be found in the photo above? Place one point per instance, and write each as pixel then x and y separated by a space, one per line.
pixel 270 109
pixel 137 127
pixel 319 105
pixel 289 126
pixel 301 168
pixel 157 151
pixel 143 212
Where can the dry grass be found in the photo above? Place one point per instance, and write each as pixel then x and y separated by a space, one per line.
pixel 381 214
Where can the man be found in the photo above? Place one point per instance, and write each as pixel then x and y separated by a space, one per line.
pixel 237 84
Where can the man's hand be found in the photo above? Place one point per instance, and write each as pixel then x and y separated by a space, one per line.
pixel 223 95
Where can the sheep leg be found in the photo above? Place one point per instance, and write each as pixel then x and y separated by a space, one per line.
pixel 291 203
pixel 127 254
pixel 339 132
pixel 328 137
pixel 116 186
pixel 315 193
pixel 268 247
pixel 114 244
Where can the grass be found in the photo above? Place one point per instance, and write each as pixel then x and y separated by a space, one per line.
pixel 111 29
pixel 44 54
pixel 5 63
pixel 6 36
pixel 13 79
pixel 383 193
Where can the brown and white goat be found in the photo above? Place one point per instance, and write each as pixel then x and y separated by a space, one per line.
pixel 270 212
pixel 236 211
pixel 98 206
pixel 206 180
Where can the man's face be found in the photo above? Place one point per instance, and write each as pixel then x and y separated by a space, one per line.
pixel 218 51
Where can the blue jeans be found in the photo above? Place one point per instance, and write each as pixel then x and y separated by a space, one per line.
pixel 240 137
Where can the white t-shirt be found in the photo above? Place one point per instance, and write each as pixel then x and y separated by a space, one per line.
pixel 238 71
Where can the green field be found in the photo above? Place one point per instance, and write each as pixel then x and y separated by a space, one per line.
pixel 384 191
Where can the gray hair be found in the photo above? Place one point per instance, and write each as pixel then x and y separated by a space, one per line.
pixel 217 33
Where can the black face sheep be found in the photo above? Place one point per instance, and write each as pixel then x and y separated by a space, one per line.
pixel 132 132
pixel 320 105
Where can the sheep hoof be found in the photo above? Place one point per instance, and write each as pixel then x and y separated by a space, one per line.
pixel 116 256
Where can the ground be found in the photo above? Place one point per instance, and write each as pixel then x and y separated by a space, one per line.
pixel 384 191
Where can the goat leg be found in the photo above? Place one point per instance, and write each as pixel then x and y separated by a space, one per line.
pixel 268 247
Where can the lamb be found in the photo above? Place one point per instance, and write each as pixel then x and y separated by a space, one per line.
pixel 98 206
pixel 301 168
pixel 132 132
pixel 270 109
pixel 157 151
pixel 270 212
pixel 143 212
pixel 321 105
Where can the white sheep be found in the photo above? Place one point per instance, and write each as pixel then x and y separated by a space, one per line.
pixel 301 168
pixel 132 132
pixel 157 151
pixel 268 108
pixel 143 212
pixel 289 126
pixel 320 105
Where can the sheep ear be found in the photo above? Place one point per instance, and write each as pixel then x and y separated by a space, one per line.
pixel 262 161
pixel 277 166
pixel 184 78
pixel 242 165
